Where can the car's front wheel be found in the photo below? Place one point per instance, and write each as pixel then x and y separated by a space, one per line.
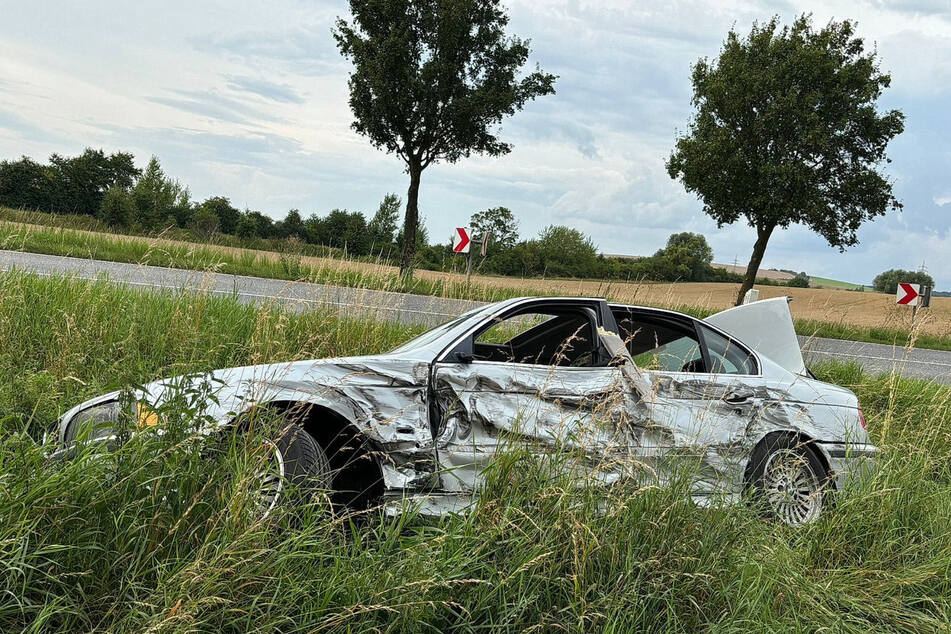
pixel 295 469
pixel 788 480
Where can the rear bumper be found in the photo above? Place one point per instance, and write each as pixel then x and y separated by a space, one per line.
pixel 849 463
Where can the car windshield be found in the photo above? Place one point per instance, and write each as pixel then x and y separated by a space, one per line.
pixel 432 335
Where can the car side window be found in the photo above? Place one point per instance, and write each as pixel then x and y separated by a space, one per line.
pixel 557 338
pixel 727 356
pixel 659 344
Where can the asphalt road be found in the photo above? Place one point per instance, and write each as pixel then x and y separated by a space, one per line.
pixel 416 309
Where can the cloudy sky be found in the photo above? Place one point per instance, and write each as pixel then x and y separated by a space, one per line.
pixel 249 100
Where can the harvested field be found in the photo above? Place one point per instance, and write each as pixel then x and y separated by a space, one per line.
pixel 837 307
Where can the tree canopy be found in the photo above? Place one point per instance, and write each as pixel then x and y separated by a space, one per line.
pixel 500 222
pixel 159 198
pixel 385 222
pixel 432 80
pixel 787 130
pixel 888 281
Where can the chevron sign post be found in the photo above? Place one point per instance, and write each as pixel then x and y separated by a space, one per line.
pixel 914 295
pixel 461 242
pixel 908 294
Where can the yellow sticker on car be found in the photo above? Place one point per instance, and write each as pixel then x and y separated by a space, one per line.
pixel 146 416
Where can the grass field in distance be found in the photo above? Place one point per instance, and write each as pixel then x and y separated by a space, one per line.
pixel 824 282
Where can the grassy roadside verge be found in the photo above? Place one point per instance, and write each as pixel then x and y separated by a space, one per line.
pixel 153 538
pixel 282 266
pixel 887 336
pixel 141 250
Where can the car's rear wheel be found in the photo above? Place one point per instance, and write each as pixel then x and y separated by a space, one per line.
pixel 295 469
pixel 789 481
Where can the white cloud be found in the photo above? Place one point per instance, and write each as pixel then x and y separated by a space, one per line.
pixel 249 100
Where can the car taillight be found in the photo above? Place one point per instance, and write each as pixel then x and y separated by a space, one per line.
pixel 862 418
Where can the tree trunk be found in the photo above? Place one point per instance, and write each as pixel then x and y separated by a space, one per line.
pixel 762 237
pixel 410 222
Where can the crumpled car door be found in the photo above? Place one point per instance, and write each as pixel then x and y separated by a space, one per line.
pixel 598 410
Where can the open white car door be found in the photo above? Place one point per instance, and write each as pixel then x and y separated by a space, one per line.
pixel 767 327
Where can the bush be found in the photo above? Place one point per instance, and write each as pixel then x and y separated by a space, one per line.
pixel 800 281
pixel 117 208
pixel 888 281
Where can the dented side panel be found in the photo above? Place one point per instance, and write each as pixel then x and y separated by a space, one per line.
pixel 385 398
pixel 719 420
pixel 486 404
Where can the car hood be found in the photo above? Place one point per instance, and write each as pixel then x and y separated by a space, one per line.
pixel 361 380
pixel 371 370
pixel 257 381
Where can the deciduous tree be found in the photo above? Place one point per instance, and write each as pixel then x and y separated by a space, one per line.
pixel 565 251
pixel 498 221
pixel 293 226
pixel 117 209
pixel 79 183
pixel 226 213
pixel 432 79
pixel 888 281
pixel 787 130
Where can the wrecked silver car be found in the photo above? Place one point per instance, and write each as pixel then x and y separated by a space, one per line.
pixel 633 389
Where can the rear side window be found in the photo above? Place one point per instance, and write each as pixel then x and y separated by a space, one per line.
pixel 667 343
pixel 658 344
pixel 726 356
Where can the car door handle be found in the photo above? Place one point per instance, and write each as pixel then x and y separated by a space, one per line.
pixel 738 398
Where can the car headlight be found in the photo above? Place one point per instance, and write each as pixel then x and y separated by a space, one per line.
pixel 93 423
pixel 101 420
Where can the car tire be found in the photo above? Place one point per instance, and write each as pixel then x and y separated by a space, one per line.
pixel 296 469
pixel 787 481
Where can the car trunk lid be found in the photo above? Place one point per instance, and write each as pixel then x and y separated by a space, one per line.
pixel 767 327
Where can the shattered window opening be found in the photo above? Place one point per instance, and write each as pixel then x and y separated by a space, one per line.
pixel 564 338
pixel 432 335
pixel 664 345
pixel 674 345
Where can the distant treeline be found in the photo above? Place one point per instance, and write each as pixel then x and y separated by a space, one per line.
pixel 128 199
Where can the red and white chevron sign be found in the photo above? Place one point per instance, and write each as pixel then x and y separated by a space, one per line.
pixel 907 294
pixel 461 241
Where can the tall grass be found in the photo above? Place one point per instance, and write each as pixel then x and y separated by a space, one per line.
pixel 65 339
pixel 152 537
